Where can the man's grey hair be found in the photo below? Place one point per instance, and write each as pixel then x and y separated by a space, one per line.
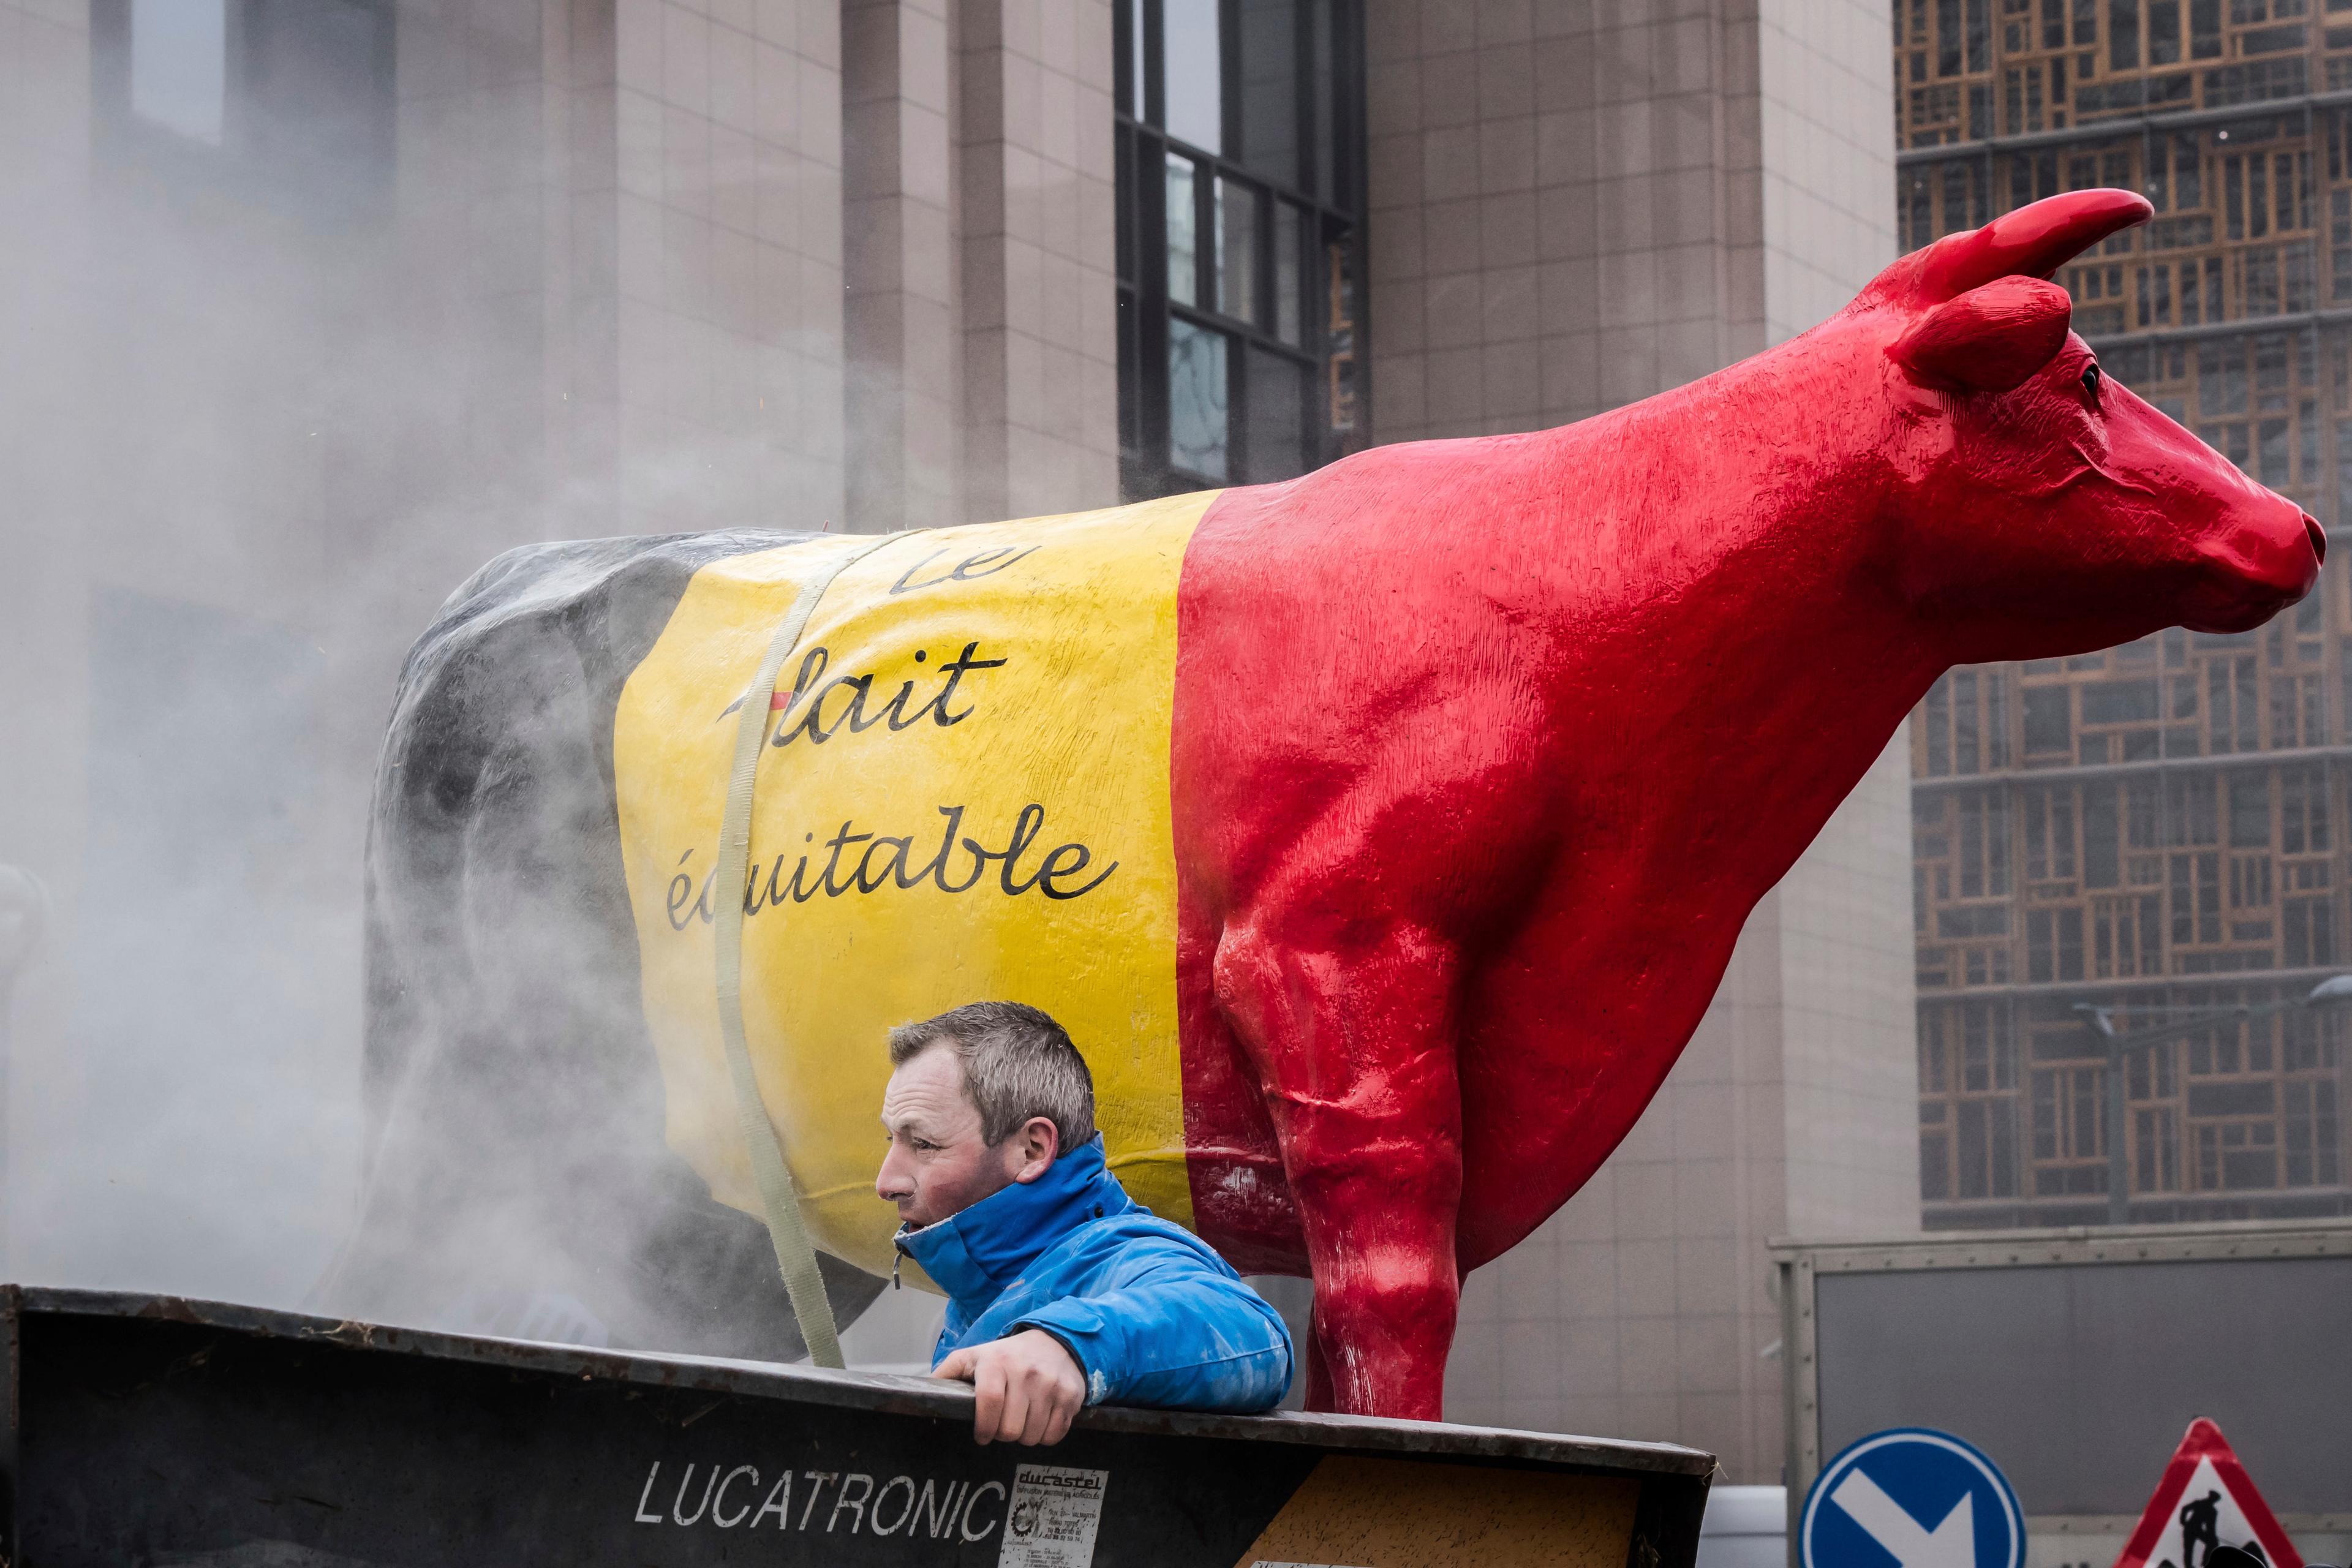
pixel 1017 1064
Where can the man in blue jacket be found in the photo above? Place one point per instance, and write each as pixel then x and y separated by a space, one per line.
pixel 1062 1290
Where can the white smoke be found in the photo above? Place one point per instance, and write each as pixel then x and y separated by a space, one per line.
pixel 261 409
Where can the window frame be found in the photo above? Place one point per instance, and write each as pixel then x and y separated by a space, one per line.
pixel 1334 224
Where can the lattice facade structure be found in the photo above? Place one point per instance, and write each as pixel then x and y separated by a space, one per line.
pixel 2162 827
pixel 2157 828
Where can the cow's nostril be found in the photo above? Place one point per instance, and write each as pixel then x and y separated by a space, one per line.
pixel 2319 539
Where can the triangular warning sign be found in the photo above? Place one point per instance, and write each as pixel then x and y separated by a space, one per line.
pixel 2205 1501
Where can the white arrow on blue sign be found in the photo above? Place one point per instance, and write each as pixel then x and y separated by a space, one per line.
pixel 1911 1498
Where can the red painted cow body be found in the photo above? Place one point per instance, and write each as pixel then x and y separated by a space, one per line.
pixel 1484 748
pixel 1482 752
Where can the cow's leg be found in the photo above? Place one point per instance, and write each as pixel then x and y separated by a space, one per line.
pixel 1354 1049
pixel 1319 1375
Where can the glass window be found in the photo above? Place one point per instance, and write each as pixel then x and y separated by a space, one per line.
pixel 1128 22
pixel 1340 333
pixel 1239 249
pixel 1123 221
pixel 1277 417
pixel 1183 231
pixel 1191 64
pixel 1269 89
pixel 1289 253
pixel 1236 249
pixel 1130 405
pixel 179 64
pixel 1199 431
pixel 288 104
pixel 1324 50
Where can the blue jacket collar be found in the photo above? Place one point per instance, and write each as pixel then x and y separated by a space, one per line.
pixel 975 1254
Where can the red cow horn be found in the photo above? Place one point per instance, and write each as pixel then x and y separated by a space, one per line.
pixel 2034 241
pixel 1988 339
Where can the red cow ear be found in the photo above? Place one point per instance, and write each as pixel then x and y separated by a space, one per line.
pixel 1988 339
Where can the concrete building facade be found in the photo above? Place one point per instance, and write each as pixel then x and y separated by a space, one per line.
pixel 329 300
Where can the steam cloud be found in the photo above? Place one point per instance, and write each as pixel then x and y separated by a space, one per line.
pixel 266 398
pixel 259 417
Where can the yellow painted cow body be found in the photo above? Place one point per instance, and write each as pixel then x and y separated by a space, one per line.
pixel 965 799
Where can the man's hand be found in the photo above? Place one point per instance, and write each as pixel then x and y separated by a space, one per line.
pixel 1030 1389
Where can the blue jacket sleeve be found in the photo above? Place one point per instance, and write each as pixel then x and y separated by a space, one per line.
pixel 1175 1329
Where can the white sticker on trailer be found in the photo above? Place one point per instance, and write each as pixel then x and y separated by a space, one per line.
pixel 1052 1517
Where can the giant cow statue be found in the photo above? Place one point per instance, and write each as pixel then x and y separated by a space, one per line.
pixel 1380 836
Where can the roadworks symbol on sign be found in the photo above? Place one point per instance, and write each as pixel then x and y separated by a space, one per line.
pixel 2205 1501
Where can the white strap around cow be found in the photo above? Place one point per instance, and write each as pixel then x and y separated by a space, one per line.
pixel 795 1254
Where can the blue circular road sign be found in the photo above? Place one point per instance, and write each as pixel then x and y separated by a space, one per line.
pixel 1911 1498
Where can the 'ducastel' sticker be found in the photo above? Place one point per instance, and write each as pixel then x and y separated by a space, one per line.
pixel 1053 1517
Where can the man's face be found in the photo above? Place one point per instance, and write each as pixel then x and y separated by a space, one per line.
pixel 937 1164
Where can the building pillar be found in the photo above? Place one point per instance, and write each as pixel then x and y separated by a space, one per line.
pixel 1040 337
pixel 903 446
pixel 729 264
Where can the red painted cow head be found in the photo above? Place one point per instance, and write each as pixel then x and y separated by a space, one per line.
pixel 2045 508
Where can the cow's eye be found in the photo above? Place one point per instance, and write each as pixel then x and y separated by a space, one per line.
pixel 2092 377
